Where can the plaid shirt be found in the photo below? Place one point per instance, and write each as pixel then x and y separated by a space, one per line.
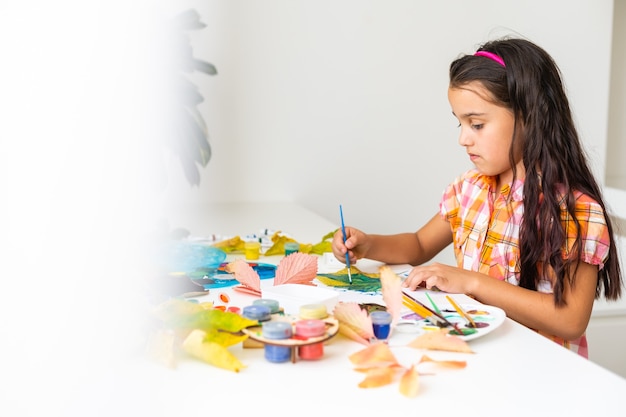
pixel 486 232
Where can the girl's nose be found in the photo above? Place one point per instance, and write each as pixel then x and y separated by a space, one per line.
pixel 464 138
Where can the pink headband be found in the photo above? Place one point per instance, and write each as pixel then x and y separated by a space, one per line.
pixel 492 56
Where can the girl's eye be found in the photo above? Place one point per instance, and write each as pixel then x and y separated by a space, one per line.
pixel 477 127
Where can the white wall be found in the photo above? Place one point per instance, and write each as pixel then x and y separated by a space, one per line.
pixel 329 102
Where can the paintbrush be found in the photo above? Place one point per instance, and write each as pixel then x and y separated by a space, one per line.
pixel 433 304
pixel 470 321
pixel 421 309
pixel 436 318
pixel 343 230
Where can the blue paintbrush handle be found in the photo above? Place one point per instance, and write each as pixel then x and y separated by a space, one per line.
pixel 345 237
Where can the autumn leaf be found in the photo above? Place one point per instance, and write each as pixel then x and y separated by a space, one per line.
pixel 361 281
pixel 375 355
pixel 445 363
pixel 440 340
pixel 213 353
pixel 245 274
pixel 409 383
pixel 297 268
pixel 354 322
pixel 182 314
pixel 234 244
pixel 278 248
pixel 225 339
pixel 378 377
pixel 391 288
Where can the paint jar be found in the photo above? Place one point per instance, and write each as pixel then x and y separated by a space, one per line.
pixel 291 247
pixel 381 323
pixel 306 329
pixel 271 304
pixel 252 250
pixel 257 312
pixel 277 330
pixel 313 311
pixel 234 309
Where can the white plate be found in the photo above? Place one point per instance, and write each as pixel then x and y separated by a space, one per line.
pixel 487 319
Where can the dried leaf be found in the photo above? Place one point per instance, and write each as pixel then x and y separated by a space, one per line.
pixel 440 340
pixel 211 352
pixel 234 244
pixel 409 383
pixel 175 307
pixel 245 274
pixel 375 355
pixel 181 314
pixel 297 268
pixel 354 322
pixel 225 339
pixel 361 281
pixel 446 364
pixel 378 377
pixel 278 248
pixel 391 287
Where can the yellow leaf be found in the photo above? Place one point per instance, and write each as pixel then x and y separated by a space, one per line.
pixel 224 338
pixel 278 248
pixel 321 248
pixel 409 383
pixel 211 352
pixel 234 244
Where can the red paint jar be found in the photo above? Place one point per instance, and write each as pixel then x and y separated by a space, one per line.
pixel 306 329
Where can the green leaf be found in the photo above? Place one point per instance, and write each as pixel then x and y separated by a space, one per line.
pixel 204 66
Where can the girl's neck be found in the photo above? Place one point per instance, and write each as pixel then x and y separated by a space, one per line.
pixel 506 178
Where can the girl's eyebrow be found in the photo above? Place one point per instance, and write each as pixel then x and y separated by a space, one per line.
pixel 470 114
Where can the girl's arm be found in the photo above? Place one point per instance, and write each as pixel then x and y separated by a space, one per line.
pixel 403 248
pixel 531 308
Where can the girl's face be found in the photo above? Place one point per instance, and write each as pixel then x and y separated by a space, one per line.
pixel 486 130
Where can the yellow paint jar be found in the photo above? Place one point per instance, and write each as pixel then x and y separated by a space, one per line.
pixel 252 250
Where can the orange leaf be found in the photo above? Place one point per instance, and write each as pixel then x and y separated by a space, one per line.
pixel 297 268
pixel 447 364
pixel 375 355
pixel 377 377
pixel 440 340
pixel 409 383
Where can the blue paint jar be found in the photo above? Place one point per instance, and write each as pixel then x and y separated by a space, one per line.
pixel 277 330
pixel 381 323
pixel 272 304
pixel 257 312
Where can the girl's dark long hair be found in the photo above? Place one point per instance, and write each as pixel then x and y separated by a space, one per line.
pixel 530 85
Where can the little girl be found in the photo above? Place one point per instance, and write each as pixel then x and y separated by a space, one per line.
pixel 529 226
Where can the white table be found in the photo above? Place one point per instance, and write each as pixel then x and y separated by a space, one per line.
pixel 513 371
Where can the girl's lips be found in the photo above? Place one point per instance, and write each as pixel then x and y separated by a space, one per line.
pixel 473 156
